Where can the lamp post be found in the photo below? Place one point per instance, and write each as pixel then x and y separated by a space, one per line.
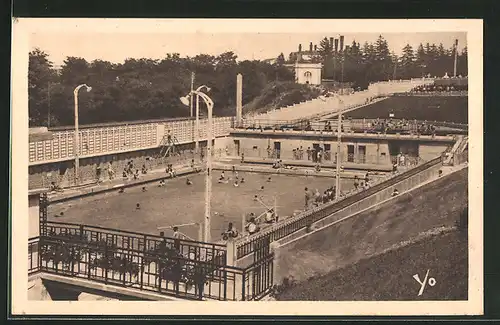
pixel 77 140
pixel 197 123
pixel 339 132
pixel 208 176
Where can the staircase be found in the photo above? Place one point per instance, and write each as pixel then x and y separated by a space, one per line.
pixel 458 147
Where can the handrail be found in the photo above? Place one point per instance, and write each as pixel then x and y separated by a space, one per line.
pixel 276 231
pixel 126 232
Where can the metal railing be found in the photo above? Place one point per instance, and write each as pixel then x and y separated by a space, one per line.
pixel 246 245
pixel 33 257
pixel 352 125
pixel 135 241
pixel 163 271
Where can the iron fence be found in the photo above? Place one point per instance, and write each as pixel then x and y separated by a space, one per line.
pixel 248 245
pixel 163 271
pixel 33 257
pixel 196 250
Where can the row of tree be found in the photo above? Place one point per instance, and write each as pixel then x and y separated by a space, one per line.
pixel 375 62
pixel 149 89
pixel 140 88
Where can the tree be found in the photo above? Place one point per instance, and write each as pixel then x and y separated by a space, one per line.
pixel 41 79
pixel 407 65
pixel 280 60
pixel 421 60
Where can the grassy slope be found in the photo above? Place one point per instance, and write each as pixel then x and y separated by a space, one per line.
pixel 389 276
pixel 369 233
pixel 280 94
pixel 439 108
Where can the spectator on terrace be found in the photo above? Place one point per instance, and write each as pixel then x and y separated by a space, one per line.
pixel 222 175
pixel 177 238
pixel 307 196
pixel 121 190
pixel 252 226
pixel 137 206
pixel 231 232
pixel 356 183
pixel 188 182
pixel 192 163
pixel 440 173
pixel 236 184
pixel 395 192
pixel 144 189
pixel 144 169
pixel 242 180
pixel 136 174
pixel 269 179
pixel 402 160
pixel 301 153
pixel 270 216
pixel 125 174
pixel 309 153
pixel 317 168
pixel 162 183
pixel 242 157
pixel 395 167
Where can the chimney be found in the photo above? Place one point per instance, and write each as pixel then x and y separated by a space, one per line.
pixel 300 48
pixel 341 43
pixel 315 48
pixel 310 46
pixel 331 42
pixel 336 45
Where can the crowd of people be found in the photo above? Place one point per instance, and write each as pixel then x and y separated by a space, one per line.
pixel 129 172
pixel 402 126
pixel 438 88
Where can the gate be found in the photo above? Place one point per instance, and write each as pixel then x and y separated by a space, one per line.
pixel 262 269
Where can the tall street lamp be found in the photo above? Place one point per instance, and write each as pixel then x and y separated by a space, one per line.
pixel 77 140
pixel 208 177
pixel 197 123
pixel 339 132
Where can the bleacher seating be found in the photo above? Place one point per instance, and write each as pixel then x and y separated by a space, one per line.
pixel 330 104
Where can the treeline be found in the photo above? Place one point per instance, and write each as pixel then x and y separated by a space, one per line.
pixel 373 62
pixel 140 88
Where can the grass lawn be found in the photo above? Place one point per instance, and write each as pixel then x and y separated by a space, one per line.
pixel 439 108
pixel 178 203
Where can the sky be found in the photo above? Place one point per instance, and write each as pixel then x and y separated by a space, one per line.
pixel 120 45
pixel 118 39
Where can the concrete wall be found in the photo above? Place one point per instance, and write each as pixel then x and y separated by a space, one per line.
pixel 34 215
pixel 429 151
pixel 63 173
pixel 377 152
pixel 112 138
